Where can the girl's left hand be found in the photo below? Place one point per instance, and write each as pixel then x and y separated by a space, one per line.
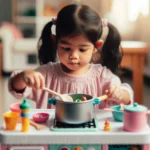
pixel 119 95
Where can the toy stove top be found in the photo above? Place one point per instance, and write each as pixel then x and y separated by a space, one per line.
pixel 88 126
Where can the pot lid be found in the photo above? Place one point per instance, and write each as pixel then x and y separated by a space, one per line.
pixel 135 108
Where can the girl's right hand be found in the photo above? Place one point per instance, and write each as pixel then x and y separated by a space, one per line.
pixel 29 78
pixel 33 79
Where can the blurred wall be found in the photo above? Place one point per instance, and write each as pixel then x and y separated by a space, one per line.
pixel 5 10
pixel 117 14
pixel 138 30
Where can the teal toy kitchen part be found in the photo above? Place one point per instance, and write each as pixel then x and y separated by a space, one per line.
pixel 135 108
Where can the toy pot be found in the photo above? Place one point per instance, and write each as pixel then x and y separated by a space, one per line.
pixel 135 118
pixel 117 113
pixel 74 112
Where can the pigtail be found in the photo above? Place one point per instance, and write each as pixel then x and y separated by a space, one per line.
pixel 47 45
pixel 111 53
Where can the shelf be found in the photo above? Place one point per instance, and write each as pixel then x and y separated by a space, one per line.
pixel 25 19
pixel 34 14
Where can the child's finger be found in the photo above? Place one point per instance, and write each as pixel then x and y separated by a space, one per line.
pixel 37 81
pixel 42 81
pixel 112 89
pixel 26 79
pixel 107 93
pixel 31 82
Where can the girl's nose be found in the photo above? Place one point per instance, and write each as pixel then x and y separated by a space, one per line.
pixel 74 55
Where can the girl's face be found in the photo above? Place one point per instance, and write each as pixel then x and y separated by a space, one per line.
pixel 75 53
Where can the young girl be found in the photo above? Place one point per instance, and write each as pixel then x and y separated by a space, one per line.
pixel 77 40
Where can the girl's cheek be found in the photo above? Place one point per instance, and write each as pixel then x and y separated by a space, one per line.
pixel 62 56
pixel 60 53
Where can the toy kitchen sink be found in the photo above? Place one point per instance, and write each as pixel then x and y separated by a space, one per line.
pixel 88 136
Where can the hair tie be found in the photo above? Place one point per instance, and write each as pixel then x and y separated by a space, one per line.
pixel 104 22
pixel 54 20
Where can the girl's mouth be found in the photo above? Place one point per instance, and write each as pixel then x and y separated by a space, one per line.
pixel 73 64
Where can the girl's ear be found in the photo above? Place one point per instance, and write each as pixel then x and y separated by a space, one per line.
pixel 99 43
pixel 95 50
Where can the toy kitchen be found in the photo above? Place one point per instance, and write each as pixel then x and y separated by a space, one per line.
pixel 86 129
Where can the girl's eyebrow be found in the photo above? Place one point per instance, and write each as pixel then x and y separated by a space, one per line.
pixel 65 42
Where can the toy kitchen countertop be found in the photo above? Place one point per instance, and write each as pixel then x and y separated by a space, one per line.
pixel 94 135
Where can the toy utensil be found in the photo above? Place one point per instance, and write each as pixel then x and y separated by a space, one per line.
pixel 121 106
pixel 37 126
pixel 103 97
pixel 62 97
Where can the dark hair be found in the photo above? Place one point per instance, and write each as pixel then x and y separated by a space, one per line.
pixel 74 20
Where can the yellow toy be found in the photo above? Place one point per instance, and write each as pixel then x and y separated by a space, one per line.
pixel 107 126
pixel 25 112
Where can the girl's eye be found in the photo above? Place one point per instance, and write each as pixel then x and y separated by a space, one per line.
pixel 83 50
pixel 66 48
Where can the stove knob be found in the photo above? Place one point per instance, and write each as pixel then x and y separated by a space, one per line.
pixel 78 148
pixel 91 148
pixel 64 148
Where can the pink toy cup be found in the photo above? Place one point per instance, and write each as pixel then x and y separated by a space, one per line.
pixel 15 107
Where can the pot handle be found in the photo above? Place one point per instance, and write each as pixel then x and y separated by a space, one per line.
pixel 108 109
pixel 52 101
pixel 98 100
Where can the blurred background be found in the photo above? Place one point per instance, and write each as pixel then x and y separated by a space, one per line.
pixel 21 22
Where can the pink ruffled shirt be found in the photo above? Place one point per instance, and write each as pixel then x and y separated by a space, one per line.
pixel 94 82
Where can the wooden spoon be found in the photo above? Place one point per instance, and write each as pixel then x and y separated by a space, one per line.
pixel 62 97
pixel 103 97
pixel 37 126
